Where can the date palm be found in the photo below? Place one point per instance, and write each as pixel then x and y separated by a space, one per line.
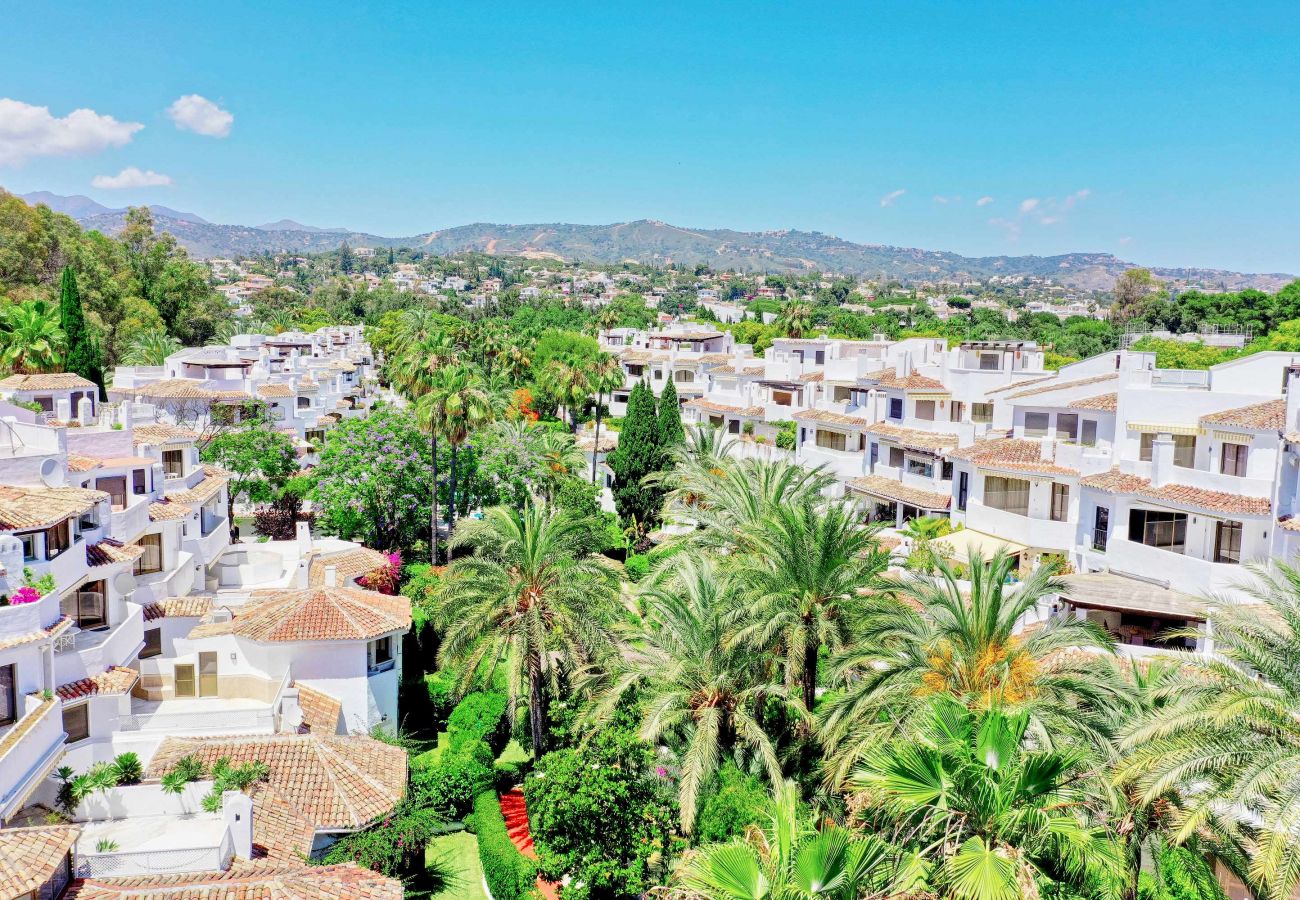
pixel 464 404
pixel 31 339
pixel 606 376
pixel 1226 736
pixel 998 818
pixel 150 347
pixel 698 692
pixel 795 319
pixel 523 599
pixel 933 636
pixel 802 574
pixel 415 371
pixel 558 457
pixel 571 384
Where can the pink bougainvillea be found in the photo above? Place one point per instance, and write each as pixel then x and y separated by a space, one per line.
pixel 25 595
pixel 384 578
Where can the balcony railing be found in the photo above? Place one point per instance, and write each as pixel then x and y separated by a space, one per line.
pixel 216 721
pixel 156 862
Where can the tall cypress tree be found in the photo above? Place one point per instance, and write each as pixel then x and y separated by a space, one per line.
pixel 83 356
pixel 637 456
pixel 671 432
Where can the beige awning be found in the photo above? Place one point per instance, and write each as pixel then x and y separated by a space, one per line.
pixel 1106 590
pixel 968 541
pixel 1157 428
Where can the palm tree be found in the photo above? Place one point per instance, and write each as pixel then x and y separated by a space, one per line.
pixel 791 860
pixel 571 384
pixel 515 362
pixel 997 817
pixel 1226 737
pixel 558 457
pixel 525 600
pixel 606 375
pixel 415 372
pixel 491 343
pixel 697 691
pixel 931 635
pixel 802 573
pixel 795 319
pixel 464 405
pixel 30 337
pixel 150 347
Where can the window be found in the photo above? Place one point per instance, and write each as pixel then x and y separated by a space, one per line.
pixel 1036 424
pixel 76 722
pixel 29 546
pixel 115 487
pixel 1060 502
pixel 1089 435
pixel 152 643
pixel 46 404
pixel 87 607
pixel 925 410
pixel 1158 528
pixel 380 654
pixel 716 421
pixel 1233 460
pixel 831 440
pixel 895 407
pixel 1184 449
pixel 184 678
pixel 733 427
pixel 1100 528
pixel 1067 427
pixel 946 472
pixel 683 376
pixel 1008 494
pixel 819 357
pixel 8 695
pixel 956 411
pixel 981 412
pixel 896 457
pixel 304 403
pixel 152 560
pixel 139 481
pixel 635 369
pixel 56 539
pixel 920 467
pixel 963 490
pixel 659 374
pixel 316 435
pixel 989 362
pixel 1227 542
pixel 173 463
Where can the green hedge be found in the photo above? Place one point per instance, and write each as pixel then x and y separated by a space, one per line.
pixel 481 716
pixel 509 874
pixel 455 780
pixel 442 697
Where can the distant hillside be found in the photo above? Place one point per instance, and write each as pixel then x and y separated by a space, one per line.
pixel 650 242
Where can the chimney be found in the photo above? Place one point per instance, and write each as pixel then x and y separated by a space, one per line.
pixel 1162 460
pixel 85 411
pixel 903 364
pixel 331 576
pixel 302 536
pixel 237 812
pixel 1046 448
pixel 302 580
pixel 63 409
pixel 1292 398
pixel 124 413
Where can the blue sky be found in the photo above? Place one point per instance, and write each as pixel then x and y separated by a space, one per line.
pixel 1168 133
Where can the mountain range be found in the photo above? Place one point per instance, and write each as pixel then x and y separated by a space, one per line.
pixel 652 242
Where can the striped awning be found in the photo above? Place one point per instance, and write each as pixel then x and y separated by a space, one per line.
pixel 1231 437
pixel 1158 428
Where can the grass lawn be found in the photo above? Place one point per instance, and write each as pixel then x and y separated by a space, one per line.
pixel 459 854
pixel 514 754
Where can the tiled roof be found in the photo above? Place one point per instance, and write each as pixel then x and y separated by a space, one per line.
pixel 161 433
pixel 1290 523
pixel 113 680
pixel 30 856
pixel 812 376
pixel 79 463
pixel 640 357
pixel 1062 385
pixel 608 442
pixel 687 335
pixel 321 712
pixel 880 486
pixel 202 492
pixel 1024 382
pixel 315 614
pixel 194 606
pixel 335 782
pixel 915 438
pixel 1117 482
pixel 1101 403
pixel 49 381
pixel 713 359
pixel 743 370
pixel 29 507
pixel 262 881
pixel 1010 454
pixel 913 382
pixel 109 552
pixel 275 391
pixel 348 564
pixel 830 418
pixel 168 511
pixel 10 738
pixel 171 389
pixel 40 634
pixel 710 406
pixel 1267 416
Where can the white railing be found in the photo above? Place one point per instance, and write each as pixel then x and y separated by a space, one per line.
pixel 216 721
pixel 115 864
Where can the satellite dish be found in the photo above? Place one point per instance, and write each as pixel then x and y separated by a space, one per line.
pixel 52 473
pixel 292 718
pixel 124 583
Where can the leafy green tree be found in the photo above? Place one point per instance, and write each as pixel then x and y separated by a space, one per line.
pixel 30 337
pixel 260 459
pixel 525 601
pixel 637 456
pixel 83 356
pixel 1176 354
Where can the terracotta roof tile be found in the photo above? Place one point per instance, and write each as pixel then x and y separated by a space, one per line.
pixel 194 606
pixel 314 614
pixel 879 486
pixel 113 680
pixel 348 564
pixel 1025 382
pixel 1010 454
pixel 161 433
pixel 243 881
pixel 1290 523
pixel 202 492
pixel 29 507
pixel 710 406
pixel 49 381
pixel 1062 385
pixel 1117 482
pixel 275 391
pixel 109 552
pixel 321 712
pixel 915 438
pixel 168 510
pixel 813 376
pixel 743 370
pixel 79 463
pixel 830 418
pixel 30 856
pixel 1101 403
pixel 913 382
pixel 1267 416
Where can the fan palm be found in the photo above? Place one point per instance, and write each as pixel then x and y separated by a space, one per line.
pixel 150 347
pixel 571 384
pixel 791 860
pixel 524 599
pixel 802 574
pixel 698 692
pixel 464 405
pixel 795 319
pixel 31 339
pixel 933 636
pixel 1226 735
pixel 997 817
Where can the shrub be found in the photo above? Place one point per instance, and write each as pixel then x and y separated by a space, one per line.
pixel 128 769
pixel 785 435
pixel 509 874
pixel 442 697
pixel 637 566
pixel 481 716
pixel 735 801
pixel 451 784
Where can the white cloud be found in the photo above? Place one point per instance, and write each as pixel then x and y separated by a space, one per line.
pixel 1126 238
pixel 944 201
pixel 983 201
pixel 28 131
pixel 1049 220
pixel 200 115
pixel 1074 198
pixel 131 177
pixel 888 199
pixel 1010 227
pixel 1028 205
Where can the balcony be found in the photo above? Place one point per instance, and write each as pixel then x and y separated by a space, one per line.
pixel 1044 534
pixel 199 716
pixel 1187 574
pixel 843 463
pixel 80 653
pixel 129 523
pixel 29 751
pixel 26 618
